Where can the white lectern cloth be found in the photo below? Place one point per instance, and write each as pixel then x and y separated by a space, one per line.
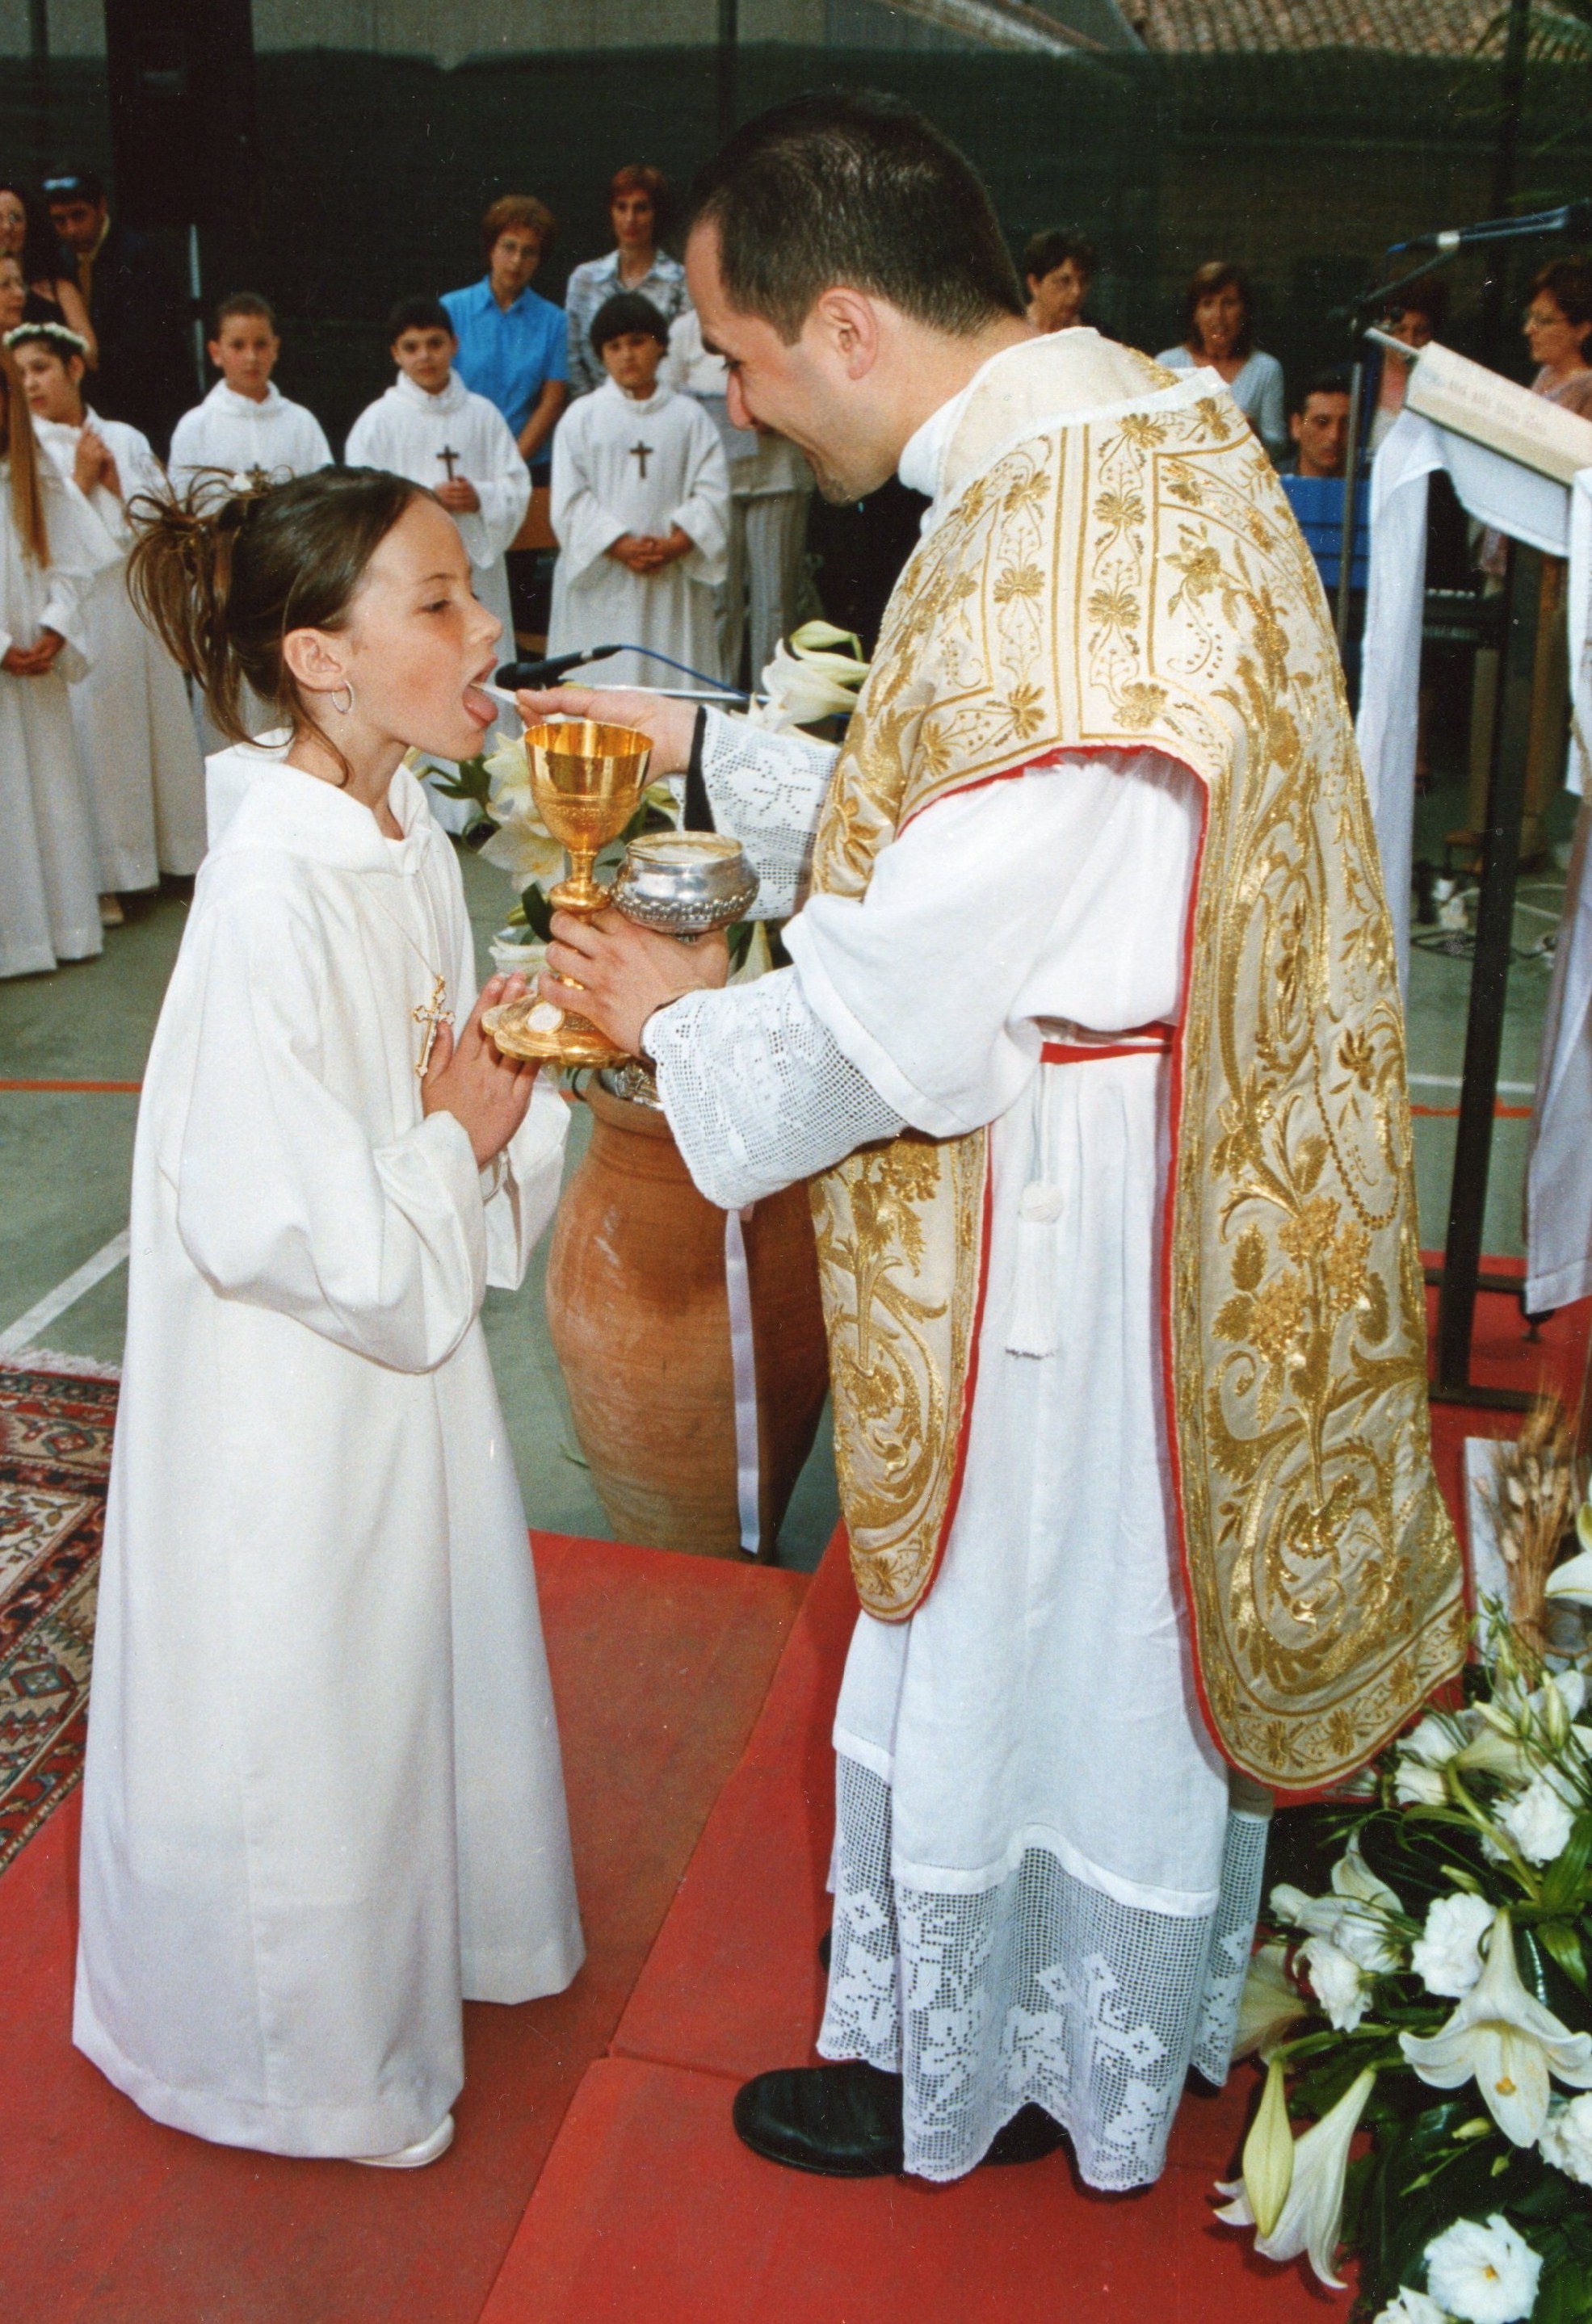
pixel 1499 493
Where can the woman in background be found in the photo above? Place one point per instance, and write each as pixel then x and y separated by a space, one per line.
pixel 1219 335
pixel 638 205
pixel 51 296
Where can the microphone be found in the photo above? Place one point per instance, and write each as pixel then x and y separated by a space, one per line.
pixel 550 667
pixel 1574 219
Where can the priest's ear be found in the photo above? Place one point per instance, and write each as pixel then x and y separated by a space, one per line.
pixel 846 324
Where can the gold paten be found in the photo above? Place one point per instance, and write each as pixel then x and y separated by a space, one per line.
pixel 587 779
pixel 1139 582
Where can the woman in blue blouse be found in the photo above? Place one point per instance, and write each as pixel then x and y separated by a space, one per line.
pixel 510 341
pixel 1219 335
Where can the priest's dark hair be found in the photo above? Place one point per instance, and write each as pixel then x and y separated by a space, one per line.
pixel 626 311
pixel 419 314
pixel 222 575
pixel 859 190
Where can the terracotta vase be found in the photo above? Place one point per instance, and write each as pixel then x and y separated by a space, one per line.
pixel 639 1314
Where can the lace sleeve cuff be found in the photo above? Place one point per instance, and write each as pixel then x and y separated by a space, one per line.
pixel 767 790
pixel 756 1092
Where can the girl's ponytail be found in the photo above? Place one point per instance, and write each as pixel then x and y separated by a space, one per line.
pixel 179 575
pixel 223 573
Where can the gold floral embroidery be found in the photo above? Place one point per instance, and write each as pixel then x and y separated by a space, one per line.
pixel 1322 1570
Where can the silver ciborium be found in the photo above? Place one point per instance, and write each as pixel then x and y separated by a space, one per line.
pixel 683 884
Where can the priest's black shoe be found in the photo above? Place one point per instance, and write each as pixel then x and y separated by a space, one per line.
pixel 842 2121
pixel 845 2122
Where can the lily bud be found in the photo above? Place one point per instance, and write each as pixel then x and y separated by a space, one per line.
pixel 1268 2153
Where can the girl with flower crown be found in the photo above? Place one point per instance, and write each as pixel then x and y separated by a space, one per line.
pixel 131 710
pixel 50 547
pixel 323 1800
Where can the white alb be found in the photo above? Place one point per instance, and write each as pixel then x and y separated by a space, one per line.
pixel 135 725
pixel 1042 1891
pixel 624 464
pixel 323 1797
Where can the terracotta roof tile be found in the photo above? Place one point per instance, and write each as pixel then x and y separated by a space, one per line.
pixel 1414 28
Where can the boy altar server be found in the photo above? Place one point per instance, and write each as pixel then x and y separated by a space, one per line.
pixel 245 425
pixel 641 509
pixel 130 710
pixel 431 427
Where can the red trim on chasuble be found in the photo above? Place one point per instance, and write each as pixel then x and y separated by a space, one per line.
pixel 1168 1204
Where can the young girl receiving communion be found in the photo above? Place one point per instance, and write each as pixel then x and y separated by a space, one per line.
pixel 323 1797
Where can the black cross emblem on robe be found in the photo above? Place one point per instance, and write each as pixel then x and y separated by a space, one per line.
pixel 641 453
pixel 447 455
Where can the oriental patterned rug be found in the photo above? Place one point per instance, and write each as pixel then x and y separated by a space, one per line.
pixel 55 1445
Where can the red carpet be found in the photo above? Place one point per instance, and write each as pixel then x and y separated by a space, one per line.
pixel 647 2207
pixel 650 2208
pixel 659 1663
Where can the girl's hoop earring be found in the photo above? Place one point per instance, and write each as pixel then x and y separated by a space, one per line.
pixel 343 709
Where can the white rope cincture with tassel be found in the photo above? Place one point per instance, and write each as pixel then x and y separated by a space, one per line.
pixel 1033 1328
pixel 738 1285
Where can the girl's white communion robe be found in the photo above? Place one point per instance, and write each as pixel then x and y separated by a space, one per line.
pixel 324 1797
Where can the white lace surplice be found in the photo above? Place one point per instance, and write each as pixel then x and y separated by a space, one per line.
pixel 1041 1890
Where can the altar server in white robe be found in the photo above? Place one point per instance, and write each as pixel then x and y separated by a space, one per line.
pixel 131 709
pixel 640 512
pixel 245 427
pixel 52 546
pixel 431 427
pixel 1049 1820
pixel 323 1799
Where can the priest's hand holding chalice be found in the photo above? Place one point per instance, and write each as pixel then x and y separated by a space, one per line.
pixel 609 970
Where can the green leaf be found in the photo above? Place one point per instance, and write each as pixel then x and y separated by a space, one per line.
pixel 1564 1942
pixel 538 913
pixel 1561 1883
pixel 740 934
pixel 1564 2295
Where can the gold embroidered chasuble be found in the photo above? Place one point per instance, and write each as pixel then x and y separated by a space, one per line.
pixel 1134 578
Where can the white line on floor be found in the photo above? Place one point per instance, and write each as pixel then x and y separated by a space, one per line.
pixel 26 1329
pixel 1452 1080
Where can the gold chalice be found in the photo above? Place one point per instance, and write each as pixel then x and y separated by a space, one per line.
pixel 587 779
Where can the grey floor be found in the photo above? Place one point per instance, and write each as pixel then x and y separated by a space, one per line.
pixel 65 1160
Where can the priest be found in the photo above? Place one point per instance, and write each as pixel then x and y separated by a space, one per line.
pixel 1091 1051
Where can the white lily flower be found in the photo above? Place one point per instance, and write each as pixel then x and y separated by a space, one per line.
pixel 1573 1578
pixel 1505 2038
pixel 1312 2218
pixel 1270 2004
pixel 1539 1821
pixel 524 848
pixel 1415 1786
pixel 1409 2306
pixel 1567 2138
pixel 1440 1737
pixel 1446 1955
pixel 1353 1919
pixel 1484 2275
pixel 798 692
